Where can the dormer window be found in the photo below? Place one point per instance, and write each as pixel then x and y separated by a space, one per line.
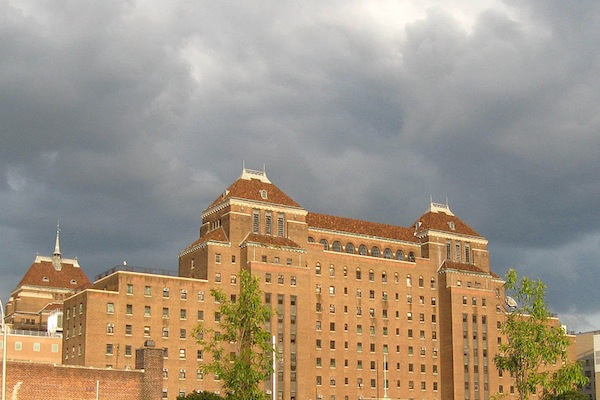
pixel 45 279
pixel 263 194
pixel 73 282
pixel 451 225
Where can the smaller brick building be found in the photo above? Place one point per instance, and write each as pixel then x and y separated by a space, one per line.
pixel 26 380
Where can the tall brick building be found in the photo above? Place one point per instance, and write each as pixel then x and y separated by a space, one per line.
pixel 363 310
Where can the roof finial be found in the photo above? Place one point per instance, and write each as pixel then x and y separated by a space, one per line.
pixel 56 257
pixel 57 245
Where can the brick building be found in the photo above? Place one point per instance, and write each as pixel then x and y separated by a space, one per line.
pixel 362 309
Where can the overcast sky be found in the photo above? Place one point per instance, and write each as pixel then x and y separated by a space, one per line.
pixel 125 119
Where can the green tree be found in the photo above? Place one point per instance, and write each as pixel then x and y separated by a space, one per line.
pixel 534 341
pixel 241 347
pixel 200 396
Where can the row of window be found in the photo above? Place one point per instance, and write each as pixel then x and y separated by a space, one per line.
pixel 166 292
pixel 110 309
pixel 385 330
pixel 268 218
pixel 373 383
pixel 372 348
pixel 364 251
pixel 384 312
pixel 371 276
pixel 384 295
pixel 36 346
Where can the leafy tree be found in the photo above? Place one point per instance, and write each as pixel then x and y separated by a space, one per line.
pixel 241 347
pixel 535 342
pixel 200 396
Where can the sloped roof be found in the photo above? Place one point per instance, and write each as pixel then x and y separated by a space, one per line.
pixel 250 189
pixel 441 221
pixel 217 235
pixel 360 227
pixel 43 268
pixel 465 267
pixel 270 240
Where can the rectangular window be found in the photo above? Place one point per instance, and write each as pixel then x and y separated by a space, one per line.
pixel 183 294
pixel 129 309
pixel 183 313
pixel 110 308
pixel 147 311
pixel 147 291
pixel 146 331
pixel 448 250
pixel 467 253
pixel 128 350
pixel 129 288
pixel 280 225
pixel 268 223
pixel 109 349
pixel 255 221
pixel 128 329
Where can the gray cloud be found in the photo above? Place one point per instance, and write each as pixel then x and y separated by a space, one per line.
pixel 126 121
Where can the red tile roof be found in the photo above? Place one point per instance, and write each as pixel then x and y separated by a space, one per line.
pixel 43 268
pixel 250 189
pixel 217 235
pixel 350 225
pixel 465 267
pixel 441 221
pixel 271 240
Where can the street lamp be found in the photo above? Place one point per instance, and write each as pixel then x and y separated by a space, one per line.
pixel 4 336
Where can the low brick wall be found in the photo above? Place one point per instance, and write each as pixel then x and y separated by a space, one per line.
pixel 27 380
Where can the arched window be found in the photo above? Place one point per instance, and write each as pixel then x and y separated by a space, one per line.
pixel 411 257
pixel 384 277
pixel 345 271
pixel 420 281
pixel 408 280
pixel 325 244
pixel 318 269
pixel 358 274
pixel 375 251
pixel 337 246
pixel 362 250
pixel 399 255
pixel 349 248
pixel 331 270
pixel 432 283
pixel 371 275
pixel 387 253
pixel 311 239
pixel 396 277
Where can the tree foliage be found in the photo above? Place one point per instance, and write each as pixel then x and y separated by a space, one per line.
pixel 200 396
pixel 241 347
pixel 535 343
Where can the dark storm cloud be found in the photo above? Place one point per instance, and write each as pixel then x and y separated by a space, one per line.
pixel 125 120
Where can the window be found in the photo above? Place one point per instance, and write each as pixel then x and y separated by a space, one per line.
pixel 165 331
pixel 411 257
pixel 280 225
pixel 375 251
pixel 147 291
pixel 399 255
pixel 218 277
pixel 371 276
pixel 337 246
pixel 268 223
pixel 255 221
pixel 362 250
pixel 408 280
pixel 129 288
pixel 147 311
pixel 233 279
pixel 146 331
pixel 110 308
pixel 325 244
pixel 468 253
pixel 183 294
pixel 129 309
pixel 200 315
pixel 109 349
pixel 128 329
pixel 349 248
pixel 280 279
pixel 387 253
pixel 182 354
pixel 183 313
pixel 166 293
pixel 358 274
pixel 182 333
pixel 110 328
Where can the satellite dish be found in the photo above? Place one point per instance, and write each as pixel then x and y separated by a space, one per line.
pixel 511 304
